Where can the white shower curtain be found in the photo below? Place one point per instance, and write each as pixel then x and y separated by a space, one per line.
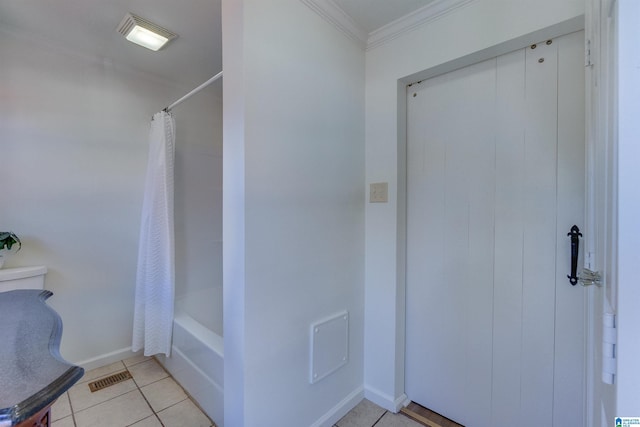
pixel 153 311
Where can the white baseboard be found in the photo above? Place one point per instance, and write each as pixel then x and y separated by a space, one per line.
pixel 384 400
pixel 402 402
pixel 107 358
pixel 341 409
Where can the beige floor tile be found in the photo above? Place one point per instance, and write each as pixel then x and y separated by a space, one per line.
pixel 397 420
pixel 183 414
pixel 163 393
pixel 103 371
pixel 365 414
pixel 64 422
pixel 61 408
pixel 82 397
pixel 147 372
pixel 151 421
pixel 121 411
pixel 135 360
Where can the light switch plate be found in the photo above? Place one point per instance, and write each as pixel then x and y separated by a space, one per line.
pixel 378 192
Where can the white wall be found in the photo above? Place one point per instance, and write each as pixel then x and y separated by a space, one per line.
pixel 476 27
pixel 198 207
pixel 628 321
pixel 74 151
pixel 602 199
pixel 293 210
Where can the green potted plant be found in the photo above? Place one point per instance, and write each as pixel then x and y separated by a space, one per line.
pixel 9 245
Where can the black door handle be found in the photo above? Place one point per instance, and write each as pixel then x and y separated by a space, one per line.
pixel 575 235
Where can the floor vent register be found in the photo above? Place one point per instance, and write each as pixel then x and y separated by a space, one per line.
pixel 109 381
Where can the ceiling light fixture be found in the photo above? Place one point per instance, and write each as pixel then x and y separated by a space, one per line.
pixel 144 33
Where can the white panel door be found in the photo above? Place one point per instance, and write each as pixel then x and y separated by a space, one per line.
pixel 495 179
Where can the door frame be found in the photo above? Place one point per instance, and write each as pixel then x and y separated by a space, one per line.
pixel 557 30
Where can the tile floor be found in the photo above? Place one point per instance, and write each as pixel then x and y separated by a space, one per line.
pixel 153 399
pixel 367 414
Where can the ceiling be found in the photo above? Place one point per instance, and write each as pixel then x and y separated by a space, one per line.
pixel 373 14
pixel 89 27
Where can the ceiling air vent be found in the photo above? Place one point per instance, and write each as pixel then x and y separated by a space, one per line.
pixel 144 33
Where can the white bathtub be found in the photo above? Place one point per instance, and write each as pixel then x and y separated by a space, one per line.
pixel 197 363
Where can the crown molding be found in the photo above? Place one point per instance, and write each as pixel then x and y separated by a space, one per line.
pixel 428 13
pixel 333 14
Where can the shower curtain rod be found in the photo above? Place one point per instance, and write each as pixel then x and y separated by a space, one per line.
pixel 194 91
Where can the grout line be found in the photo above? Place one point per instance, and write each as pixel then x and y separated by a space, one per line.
pixel 138 362
pixel 139 389
pixel 174 404
pixel 153 411
pixel 83 380
pixel 108 400
pixel 378 420
pixel 100 403
pixel 136 422
pixel 154 415
pixel 189 397
pixel 153 382
pixel 73 415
